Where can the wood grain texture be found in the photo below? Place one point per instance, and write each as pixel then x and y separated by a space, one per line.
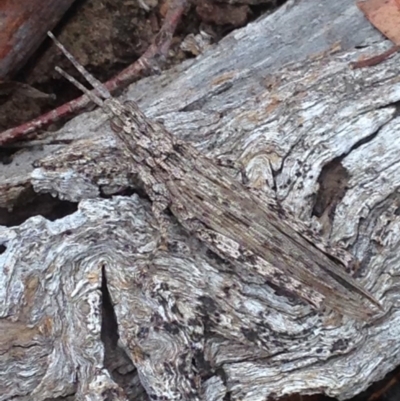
pixel 23 27
pixel 221 332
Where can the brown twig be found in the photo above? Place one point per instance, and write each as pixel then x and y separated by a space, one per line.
pixel 375 60
pixel 159 48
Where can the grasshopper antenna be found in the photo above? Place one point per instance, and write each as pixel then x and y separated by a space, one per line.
pixel 91 95
pixel 96 84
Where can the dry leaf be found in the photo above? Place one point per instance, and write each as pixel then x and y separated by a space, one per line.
pixel 384 15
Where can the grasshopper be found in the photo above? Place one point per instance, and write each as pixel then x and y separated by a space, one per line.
pixel 231 220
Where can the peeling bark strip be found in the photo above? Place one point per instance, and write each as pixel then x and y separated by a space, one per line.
pixel 231 220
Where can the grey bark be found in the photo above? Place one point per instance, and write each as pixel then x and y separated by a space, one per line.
pixel 278 96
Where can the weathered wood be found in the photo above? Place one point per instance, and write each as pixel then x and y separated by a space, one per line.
pixel 288 124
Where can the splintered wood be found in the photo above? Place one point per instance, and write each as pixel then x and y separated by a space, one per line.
pixel 93 308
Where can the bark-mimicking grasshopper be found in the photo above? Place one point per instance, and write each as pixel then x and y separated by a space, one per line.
pixel 230 219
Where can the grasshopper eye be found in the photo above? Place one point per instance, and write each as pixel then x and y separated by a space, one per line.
pixel 131 105
pixel 116 124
